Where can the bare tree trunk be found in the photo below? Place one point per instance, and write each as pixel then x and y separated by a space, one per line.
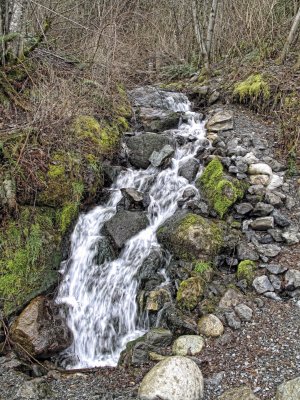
pixel 211 27
pixel 291 37
pixel 198 31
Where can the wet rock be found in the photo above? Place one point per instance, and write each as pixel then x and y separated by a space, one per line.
pixel 157 120
pixel 105 251
pixel 244 312
pixel 176 321
pixel 280 219
pixel 181 236
pixel 263 224
pixel 156 299
pixel 240 393
pixel 292 279
pixel 244 208
pixel 210 326
pixel 289 390
pixel 141 147
pixel 149 270
pixel 124 225
pixel 40 329
pixel 189 193
pixel 110 173
pixel 232 320
pixel 159 337
pixel 188 345
pixel 162 158
pixel 189 170
pixel 230 299
pixel 262 210
pixel 262 284
pixel 174 378
pixel 221 121
pixel 133 199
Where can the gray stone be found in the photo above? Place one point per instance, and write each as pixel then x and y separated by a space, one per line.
pixel 262 284
pixel 276 282
pixel 289 390
pixel 158 159
pixel 141 147
pixel 210 326
pixel 274 269
pixel 260 169
pixel 240 393
pixel 233 320
pixel 151 96
pixel 280 219
pixel 268 250
pixel 35 389
pixel 292 279
pixel 175 378
pixel 258 190
pixel 221 121
pixel 247 251
pixel 276 235
pixel 244 312
pixel 233 169
pixel 230 299
pixel 213 97
pixel 290 203
pixel 274 164
pixel 273 296
pixel 157 120
pixel 189 170
pixel 132 199
pixel 262 209
pixel 273 199
pixel 159 337
pixel 124 225
pixel 188 345
pixel 244 208
pixel 241 166
pixel 263 224
pixel 290 236
pixel 105 251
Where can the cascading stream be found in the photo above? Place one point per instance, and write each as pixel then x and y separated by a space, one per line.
pixel 101 299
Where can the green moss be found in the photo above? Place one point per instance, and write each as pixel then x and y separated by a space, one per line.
pixel 67 215
pixel 201 267
pixel 220 191
pixel 29 254
pixel 252 88
pixel 246 270
pixel 189 293
pixel 55 171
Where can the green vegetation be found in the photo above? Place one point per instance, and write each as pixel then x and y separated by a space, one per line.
pixel 220 191
pixel 189 293
pixel 246 270
pixel 252 88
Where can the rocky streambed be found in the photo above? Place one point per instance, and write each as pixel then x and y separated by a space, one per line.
pixel 220 289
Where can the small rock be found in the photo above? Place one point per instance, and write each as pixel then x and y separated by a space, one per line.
pixel 263 224
pixel 210 326
pixel 215 379
pixel 275 269
pixel 260 179
pixel 221 121
pixel 275 182
pixel 188 345
pixel 276 235
pixel 260 169
pixel 273 296
pixel 291 236
pixel 276 282
pixel 241 393
pixel 189 169
pixel 244 208
pixel 175 378
pixel 35 389
pixel 280 219
pixel 268 250
pixel 155 356
pixel 292 279
pixel 244 312
pixel 289 390
pixel 262 209
pixel 230 299
pixel 250 158
pixel 213 97
pixel 246 251
pixel 258 190
pixel 262 284
pixel 159 337
pixel 273 199
pixel 232 320
pixel 158 159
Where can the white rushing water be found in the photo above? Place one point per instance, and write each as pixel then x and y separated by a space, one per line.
pixel 101 299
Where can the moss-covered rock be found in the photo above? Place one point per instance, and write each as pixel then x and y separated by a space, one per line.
pixel 221 191
pixel 189 293
pixel 252 88
pixel 30 254
pixel 246 270
pixel 191 237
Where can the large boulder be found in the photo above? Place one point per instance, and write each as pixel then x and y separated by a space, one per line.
pixel 190 236
pixel 157 120
pixel 289 390
pixel 141 147
pixel 175 378
pixel 40 330
pixel 124 225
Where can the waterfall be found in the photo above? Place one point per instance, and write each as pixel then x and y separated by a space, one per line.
pixel 101 299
